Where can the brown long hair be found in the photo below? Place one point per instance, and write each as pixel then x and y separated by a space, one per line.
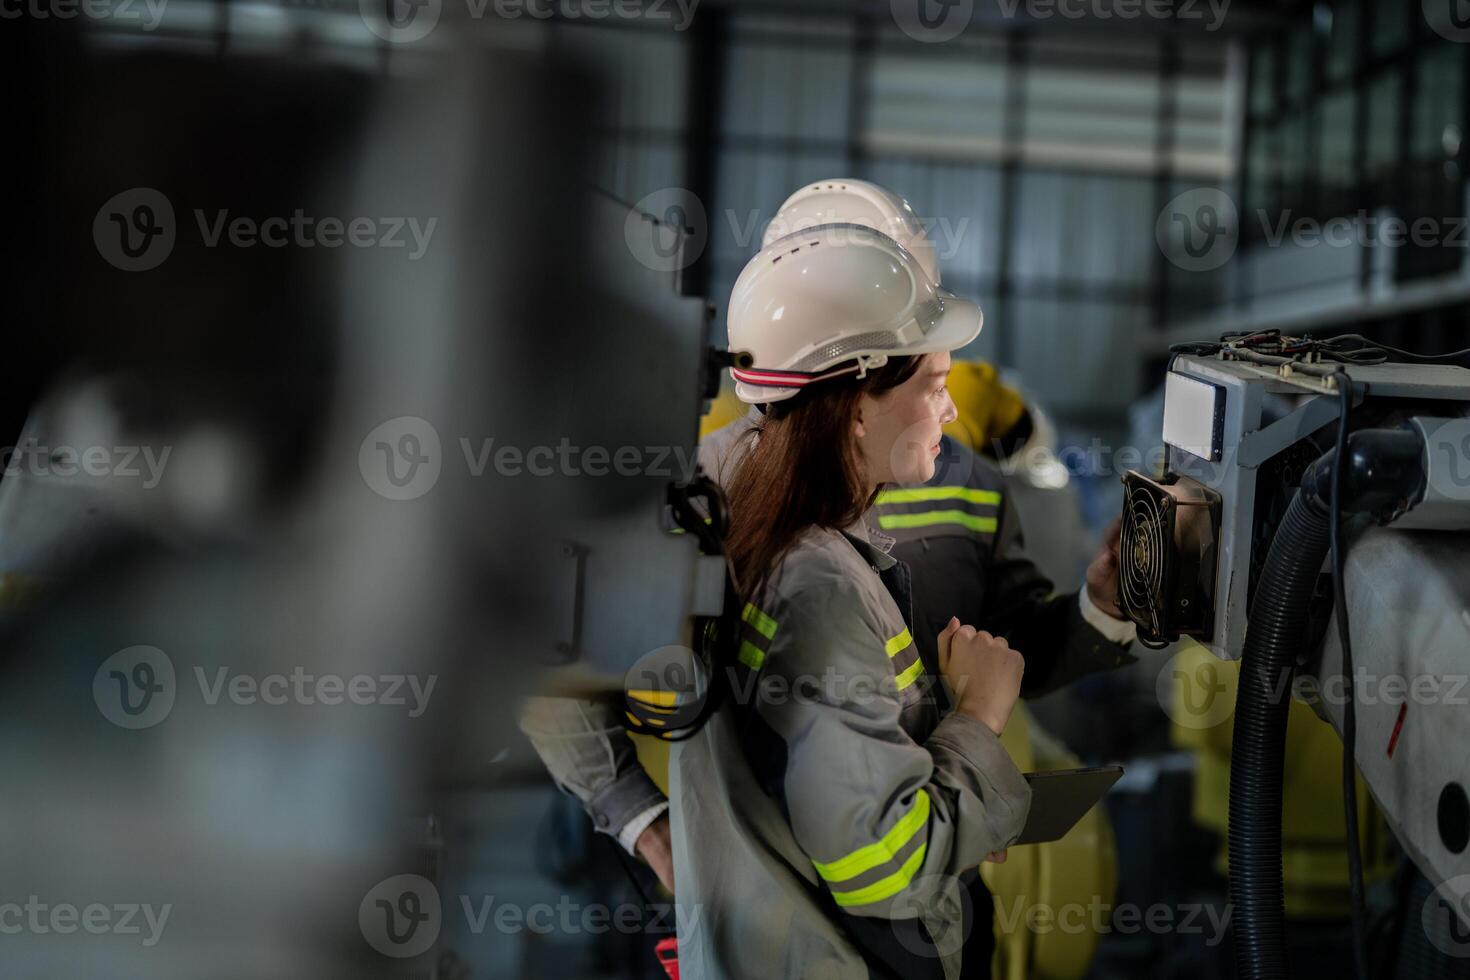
pixel 803 471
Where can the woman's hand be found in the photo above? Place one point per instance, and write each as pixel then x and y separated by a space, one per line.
pixel 1102 574
pixel 984 672
pixel 655 846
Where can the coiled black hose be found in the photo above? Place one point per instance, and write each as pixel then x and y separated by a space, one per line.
pixel 1382 472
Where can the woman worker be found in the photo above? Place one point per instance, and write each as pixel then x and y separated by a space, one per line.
pixel 828 821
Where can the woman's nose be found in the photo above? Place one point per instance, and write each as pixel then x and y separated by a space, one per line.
pixel 950 412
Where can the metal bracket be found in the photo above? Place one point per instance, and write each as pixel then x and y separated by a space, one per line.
pixel 569 646
pixel 1261 445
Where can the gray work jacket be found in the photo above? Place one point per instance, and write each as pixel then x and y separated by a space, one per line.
pixel 967 556
pixel 829 809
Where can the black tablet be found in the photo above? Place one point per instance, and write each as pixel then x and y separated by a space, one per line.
pixel 1060 797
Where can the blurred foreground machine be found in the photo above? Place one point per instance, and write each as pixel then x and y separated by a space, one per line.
pixel 1232 547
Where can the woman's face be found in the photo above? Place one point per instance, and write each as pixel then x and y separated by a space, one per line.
pixel 898 431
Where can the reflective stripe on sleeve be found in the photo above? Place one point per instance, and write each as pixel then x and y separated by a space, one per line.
pixel 756 632
pixel 880 857
pixel 906 672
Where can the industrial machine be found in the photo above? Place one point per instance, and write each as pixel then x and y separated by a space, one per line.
pixel 1237 546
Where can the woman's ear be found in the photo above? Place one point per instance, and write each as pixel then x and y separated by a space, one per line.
pixel 858 429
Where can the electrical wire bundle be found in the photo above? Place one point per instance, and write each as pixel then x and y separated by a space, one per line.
pixel 1346 348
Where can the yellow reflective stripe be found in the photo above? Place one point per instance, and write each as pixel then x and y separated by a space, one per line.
pixel 919 495
pixel 885 887
pixel 764 625
pixel 898 642
pixel 870 856
pixel 666 699
pixel 910 674
pixel 928 518
pixel 751 655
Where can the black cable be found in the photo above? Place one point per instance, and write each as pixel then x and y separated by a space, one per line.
pixel 1350 721
pixel 1405 354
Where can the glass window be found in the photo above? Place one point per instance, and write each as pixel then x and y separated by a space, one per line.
pixel 1342 44
pixel 1263 79
pixel 1336 147
pixel 1295 167
pixel 1380 155
pixel 1391 25
pixel 1264 170
pixel 1299 65
pixel 1439 110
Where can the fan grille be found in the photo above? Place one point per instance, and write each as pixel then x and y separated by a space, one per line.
pixel 1143 548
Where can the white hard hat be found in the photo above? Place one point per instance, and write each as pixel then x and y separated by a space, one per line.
pixel 855 202
pixel 835 300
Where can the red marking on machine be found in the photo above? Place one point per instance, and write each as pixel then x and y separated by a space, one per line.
pixel 1398 726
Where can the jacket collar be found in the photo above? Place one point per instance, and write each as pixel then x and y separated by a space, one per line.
pixel 872 544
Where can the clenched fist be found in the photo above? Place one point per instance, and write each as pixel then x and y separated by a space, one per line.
pixel 984 672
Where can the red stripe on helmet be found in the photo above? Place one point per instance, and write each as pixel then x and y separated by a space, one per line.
pixel 778 378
